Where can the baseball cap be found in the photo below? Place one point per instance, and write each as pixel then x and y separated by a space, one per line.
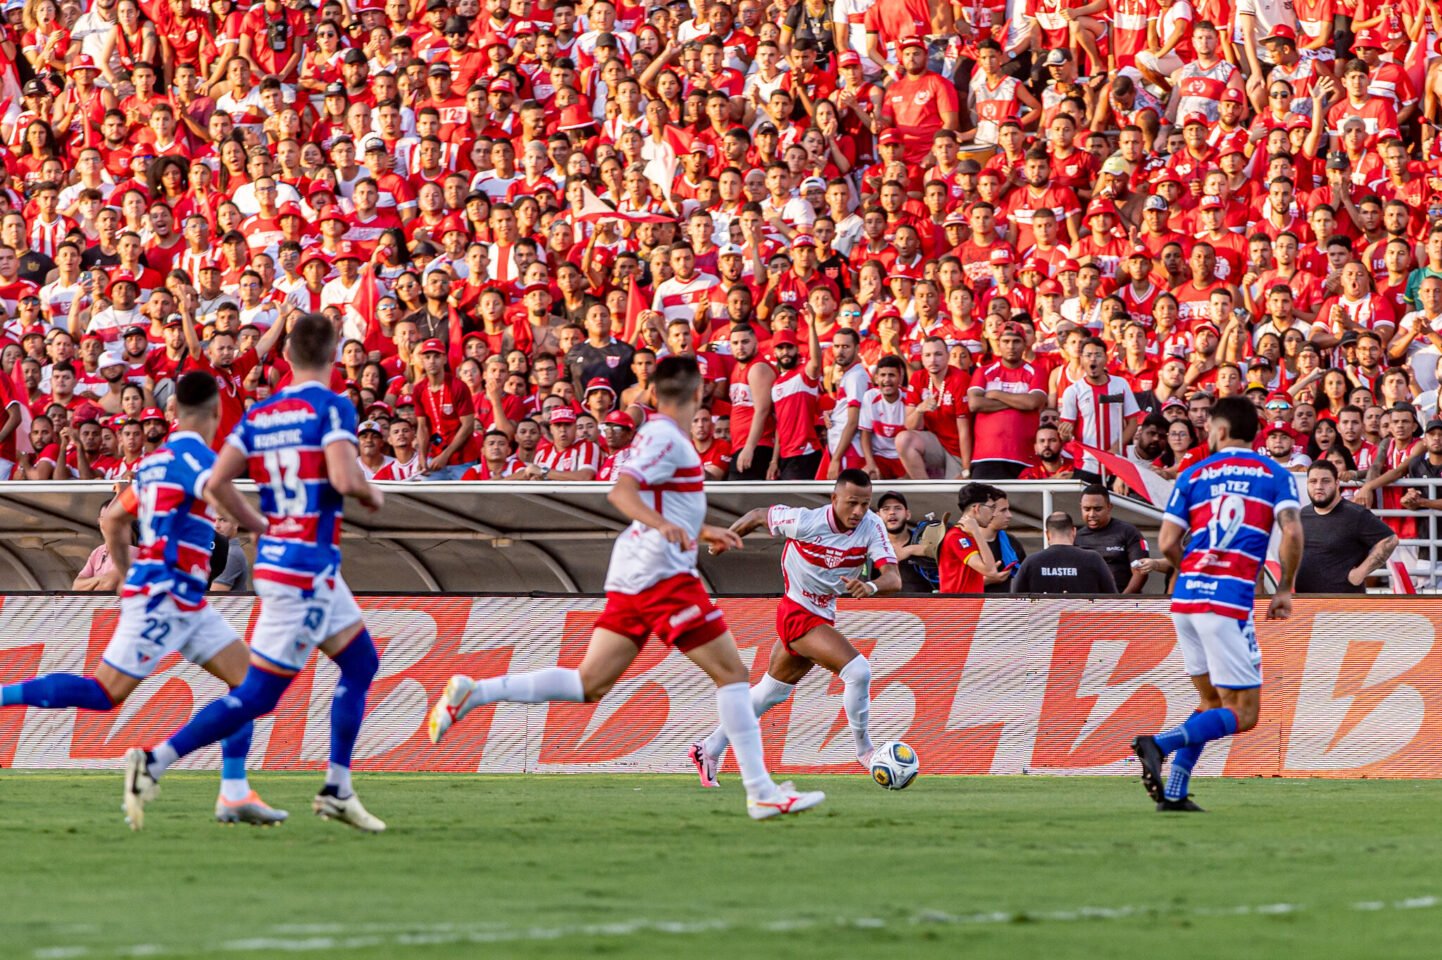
pixel 335 90
pixel 1099 207
pixel 369 426
pixel 1174 401
pixel 34 88
pixel 502 86
pixel 34 330
pixel 373 145
pixel 433 345
pixel 1207 325
pixel 1233 95
pixel 849 59
pixel 1155 203
pixel 440 69
pixel 1367 38
pixel 619 418
pixel 1283 32
pixel 1114 166
pixel 563 415
pixel 1032 265
pixel 1433 425
pixel 1194 118
pixel 1165 175
pixel 1211 202
pixel 730 250
pixel 968 166
pixel 803 240
pixel 1002 255
pixel 1056 58
pixel 119 277
pixel 1068 266
pixel 891 495
pixel 890 135
pixel 1049 288
pixel 911 42
pixel 1279 400
pixel 345 250
pixel 151 413
pixel 1338 160
pixel 354 55
pixel 784 337
pixel 1140 251
pixel 531 288
pixel 110 358
pixel 810 182
pixel 133 331
pixel 599 383
pixel 83 62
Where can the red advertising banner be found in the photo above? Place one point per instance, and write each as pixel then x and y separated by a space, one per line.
pixel 1354 689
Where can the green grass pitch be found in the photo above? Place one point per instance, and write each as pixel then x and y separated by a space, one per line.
pixel 650 866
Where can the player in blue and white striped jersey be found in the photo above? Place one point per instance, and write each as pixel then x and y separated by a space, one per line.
pixel 1215 532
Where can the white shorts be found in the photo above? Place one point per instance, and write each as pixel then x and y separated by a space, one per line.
pixel 152 627
pixel 293 622
pixel 1224 647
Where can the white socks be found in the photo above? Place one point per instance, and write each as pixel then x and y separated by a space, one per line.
pixel 339 777
pixel 554 683
pixel 161 758
pixel 234 790
pixel 738 719
pixel 767 693
pixel 857 700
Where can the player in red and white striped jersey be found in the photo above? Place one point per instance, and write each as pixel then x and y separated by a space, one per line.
pixel 652 586
pixel 825 553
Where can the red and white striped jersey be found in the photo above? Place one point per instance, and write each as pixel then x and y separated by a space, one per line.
pixel 795 400
pixel 668 469
pixel 1201 88
pixel 678 301
pixel 883 419
pixel 1098 414
pixel 45 237
pixel 818 554
pixel 852 387
pixel 372 474
pixel 395 470
pixel 581 455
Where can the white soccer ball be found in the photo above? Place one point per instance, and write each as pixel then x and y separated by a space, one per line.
pixel 894 765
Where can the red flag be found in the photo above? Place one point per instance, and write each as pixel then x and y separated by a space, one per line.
pixel 21 392
pixel 17 384
pixel 1143 482
pixel 367 299
pixel 594 209
pixel 1401 579
pixel 635 306
pixel 455 331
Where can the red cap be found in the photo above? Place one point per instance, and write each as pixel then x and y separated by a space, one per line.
pixel 1100 206
pixel 1049 288
pixel 1237 143
pixel 289 209
pixel 849 59
pixel 330 212
pixel 803 240
pixel 574 116
pixel 1165 175
pixel 563 415
pixel 890 135
pixel 451 224
pixel 785 336
pixel 405 400
pixel 1364 38
pixel 503 85
pixel 599 383
pixel 1032 265
pixel 151 413
pixel 121 276
pixel 433 346
pixel 898 271
pixel 34 330
pixel 1207 325
pixel 908 43
pixel 1284 31
pixel 313 255
pixel 533 288
pixel 1192 118
pixel 345 250
pixel 1067 266
pixel 1002 254
pixel 619 418
pixel 83 62
pixel 1233 95
pixel 1210 202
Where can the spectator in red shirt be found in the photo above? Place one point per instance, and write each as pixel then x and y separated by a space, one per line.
pixel 964 561
pixel 445 417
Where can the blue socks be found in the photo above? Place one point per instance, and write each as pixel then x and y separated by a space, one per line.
pixel 358 663
pixel 256 697
pixel 1200 728
pixel 57 691
pixel 1179 774
pixel 233 751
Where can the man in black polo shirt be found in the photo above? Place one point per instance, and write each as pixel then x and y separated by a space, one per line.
pixel 1117 542
pixel 1343 541
pixel 434 319
pixel 600 354
pixel 1063 567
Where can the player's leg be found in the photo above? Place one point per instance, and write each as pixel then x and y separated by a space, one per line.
pixel 617 638
pixel 106 690
pixel 783 673
pixel 825 646
pixel 1184 758
pixel 717 656
pixel 237 802
pixel 141 638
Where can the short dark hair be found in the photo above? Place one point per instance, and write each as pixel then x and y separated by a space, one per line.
pixel 196 390
pixel 1240 416
pixel 1059 522
pixel 857 478
pixel 1326 466
pixel 975 493
pixel 311 341
pixel 1097 490
pixel 677 378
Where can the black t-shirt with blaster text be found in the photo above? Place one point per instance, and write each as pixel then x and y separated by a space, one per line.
pixel 1064 568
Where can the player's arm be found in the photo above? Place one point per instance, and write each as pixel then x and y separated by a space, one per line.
pixel 221 492
pixel 342 466
pixel 1170 541
pixel 751 521
pixel 625 496
pixel 887 581
pixel 115 521
pixel 1289 520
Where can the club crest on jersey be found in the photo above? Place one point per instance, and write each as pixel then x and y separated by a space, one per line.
pixel 613 362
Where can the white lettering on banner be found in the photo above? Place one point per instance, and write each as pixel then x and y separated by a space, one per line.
pixel 1003 682
pixel 815 712
pixel 1340 723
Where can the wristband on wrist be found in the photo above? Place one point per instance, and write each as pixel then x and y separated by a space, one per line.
pixel 871 587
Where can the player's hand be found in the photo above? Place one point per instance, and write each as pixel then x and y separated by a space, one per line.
pixel 719 539
pixel 373 500
pixel 855 588
pixel 675 534
pixel 1281 606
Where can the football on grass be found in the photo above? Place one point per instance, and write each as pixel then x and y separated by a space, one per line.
pixel 894 765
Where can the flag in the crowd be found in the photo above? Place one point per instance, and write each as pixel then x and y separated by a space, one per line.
pixel 22 393
pixel 367 298
pixel 1145 483
pixel 635 306
pixel 594 209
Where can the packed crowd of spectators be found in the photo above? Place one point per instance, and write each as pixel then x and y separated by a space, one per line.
pixel 918 237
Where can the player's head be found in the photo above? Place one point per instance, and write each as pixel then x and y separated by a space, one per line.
pixel 678 384
pixel 851 498
pixel 1060 528
pixel 978 499
pixel 310 342
pixel 197 403
pixel 1232 423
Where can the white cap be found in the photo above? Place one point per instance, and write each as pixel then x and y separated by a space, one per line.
pixel 731 250
pixel 111 358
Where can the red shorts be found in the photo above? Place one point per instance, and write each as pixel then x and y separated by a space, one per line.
pixel 793 621
pixel 677 610
pixel 890 469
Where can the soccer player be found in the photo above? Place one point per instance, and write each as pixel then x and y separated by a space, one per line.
pixel 1215 533
pixel 826 548
pixel 652 587
pixel 300 449
pixel 162 593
